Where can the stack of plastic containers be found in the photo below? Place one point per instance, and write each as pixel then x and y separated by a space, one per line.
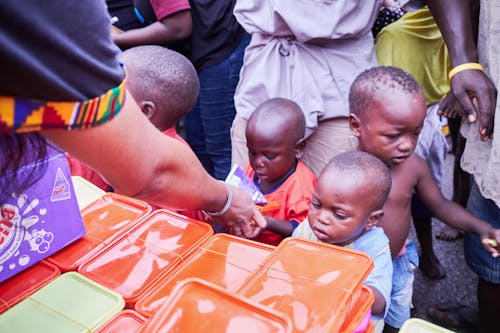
pixel 105 219
pixel 21 285
pixel 198 306
pixel 135 260
pixel 312 283
pixel 223 260
pixel 70 303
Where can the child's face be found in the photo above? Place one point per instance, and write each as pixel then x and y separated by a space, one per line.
pixel 270 157
pixel 390 130
pixel 338 213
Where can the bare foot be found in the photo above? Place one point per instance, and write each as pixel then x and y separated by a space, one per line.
pixel 456 316
pixel 448 233
pixel 432 268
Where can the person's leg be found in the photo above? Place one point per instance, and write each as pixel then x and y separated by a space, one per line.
pixel 239 150
pixel 488 295
pixel 402 288
pixel 217 111
pixel 422 221
pixel 195 136
pixel 482 263
pixel 332 137
pixel 461 182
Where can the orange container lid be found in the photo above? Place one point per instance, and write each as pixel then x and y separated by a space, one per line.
pixel 224 260
pixel 104 219
pixel 296 277
pixel 199 306
pixel 25 283
pixel 126 321
pixel 358 309
pixel 136 259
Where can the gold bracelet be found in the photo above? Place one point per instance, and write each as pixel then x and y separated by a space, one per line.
pixel 463 67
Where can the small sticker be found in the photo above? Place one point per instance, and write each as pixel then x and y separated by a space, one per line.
pixel 61 189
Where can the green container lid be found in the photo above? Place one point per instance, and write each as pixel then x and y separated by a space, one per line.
pixel 70 303
pixel 416 325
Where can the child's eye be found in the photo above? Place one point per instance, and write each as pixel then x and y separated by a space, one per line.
pixel 340 215
pixel 270 156
pixel 392 136
pixel 315 204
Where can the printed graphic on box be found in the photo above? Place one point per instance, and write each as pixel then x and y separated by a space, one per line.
pixel 41 220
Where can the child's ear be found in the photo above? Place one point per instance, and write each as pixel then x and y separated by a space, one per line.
pixel 299 147
pixel 148 108
pixel 354 124
pixel 374 218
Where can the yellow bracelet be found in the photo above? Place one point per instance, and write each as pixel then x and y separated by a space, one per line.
pixel 463 67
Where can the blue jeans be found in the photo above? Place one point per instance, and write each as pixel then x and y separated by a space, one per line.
pixel 478 259
pixel 402 286
pixel 208 125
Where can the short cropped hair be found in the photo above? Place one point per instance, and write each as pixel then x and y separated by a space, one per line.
pixel 366 168
pixel 375 81
pixel 163 76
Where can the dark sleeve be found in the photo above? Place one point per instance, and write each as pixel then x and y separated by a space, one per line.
pixel 56 50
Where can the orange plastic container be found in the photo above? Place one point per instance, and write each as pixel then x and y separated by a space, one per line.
pixel 104 219
pixel 134 261
pixel 25 283
pixel 358 310
pixel 224 260
pixel 199 306
pixel 313 283
pixel 126 321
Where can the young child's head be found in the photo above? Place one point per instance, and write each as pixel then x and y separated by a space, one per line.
pixel 349 196
pixel 387 113
pixel 275 133
pixel 163 82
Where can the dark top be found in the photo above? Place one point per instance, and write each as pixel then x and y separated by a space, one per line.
pixel 56 50
pixel 216 33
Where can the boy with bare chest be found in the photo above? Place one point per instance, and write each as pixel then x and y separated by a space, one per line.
pixel 387 113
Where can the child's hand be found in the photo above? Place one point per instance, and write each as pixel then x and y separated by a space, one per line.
pixel 450 107
pixel 492 242
pixel 255 230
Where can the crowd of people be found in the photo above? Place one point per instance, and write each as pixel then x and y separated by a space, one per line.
pixel 332 108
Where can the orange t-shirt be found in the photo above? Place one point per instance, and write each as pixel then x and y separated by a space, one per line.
pixel 293 196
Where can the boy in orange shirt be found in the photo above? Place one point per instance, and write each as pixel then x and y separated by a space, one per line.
pixel 275 136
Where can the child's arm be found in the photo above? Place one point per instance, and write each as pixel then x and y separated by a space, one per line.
pixel 450 212
pixel 283 228
pixel 378 306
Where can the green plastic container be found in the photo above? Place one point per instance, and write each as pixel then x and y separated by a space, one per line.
pixel 85 191
pixel 70 303
pixel 415 325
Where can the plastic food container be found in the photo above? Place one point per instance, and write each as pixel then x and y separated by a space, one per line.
pixel 105 219
pixel 416 325
pixel 85 191
pixel 313 283
pixel 20 286
pixel 70 303
pixel 224 260
pixel 138 258
pixel 199 306
pixel 359 312
pixel 127 321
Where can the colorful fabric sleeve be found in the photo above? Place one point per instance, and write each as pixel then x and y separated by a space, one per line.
pixel 19 115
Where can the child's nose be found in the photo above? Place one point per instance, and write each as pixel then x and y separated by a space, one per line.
pixel 407 144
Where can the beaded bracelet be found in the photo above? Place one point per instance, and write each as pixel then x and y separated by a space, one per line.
pixel 463 67
pixel 229 201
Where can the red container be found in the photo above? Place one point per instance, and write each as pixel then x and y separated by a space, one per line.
pixel 224 260
pixel 127 321
pixel 199 306
pixel 134 261
pixel 25 283
pixel 313 283
pixel 104 219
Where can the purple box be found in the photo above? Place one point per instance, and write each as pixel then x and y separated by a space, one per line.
pixel 40 220
pixel 238 178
